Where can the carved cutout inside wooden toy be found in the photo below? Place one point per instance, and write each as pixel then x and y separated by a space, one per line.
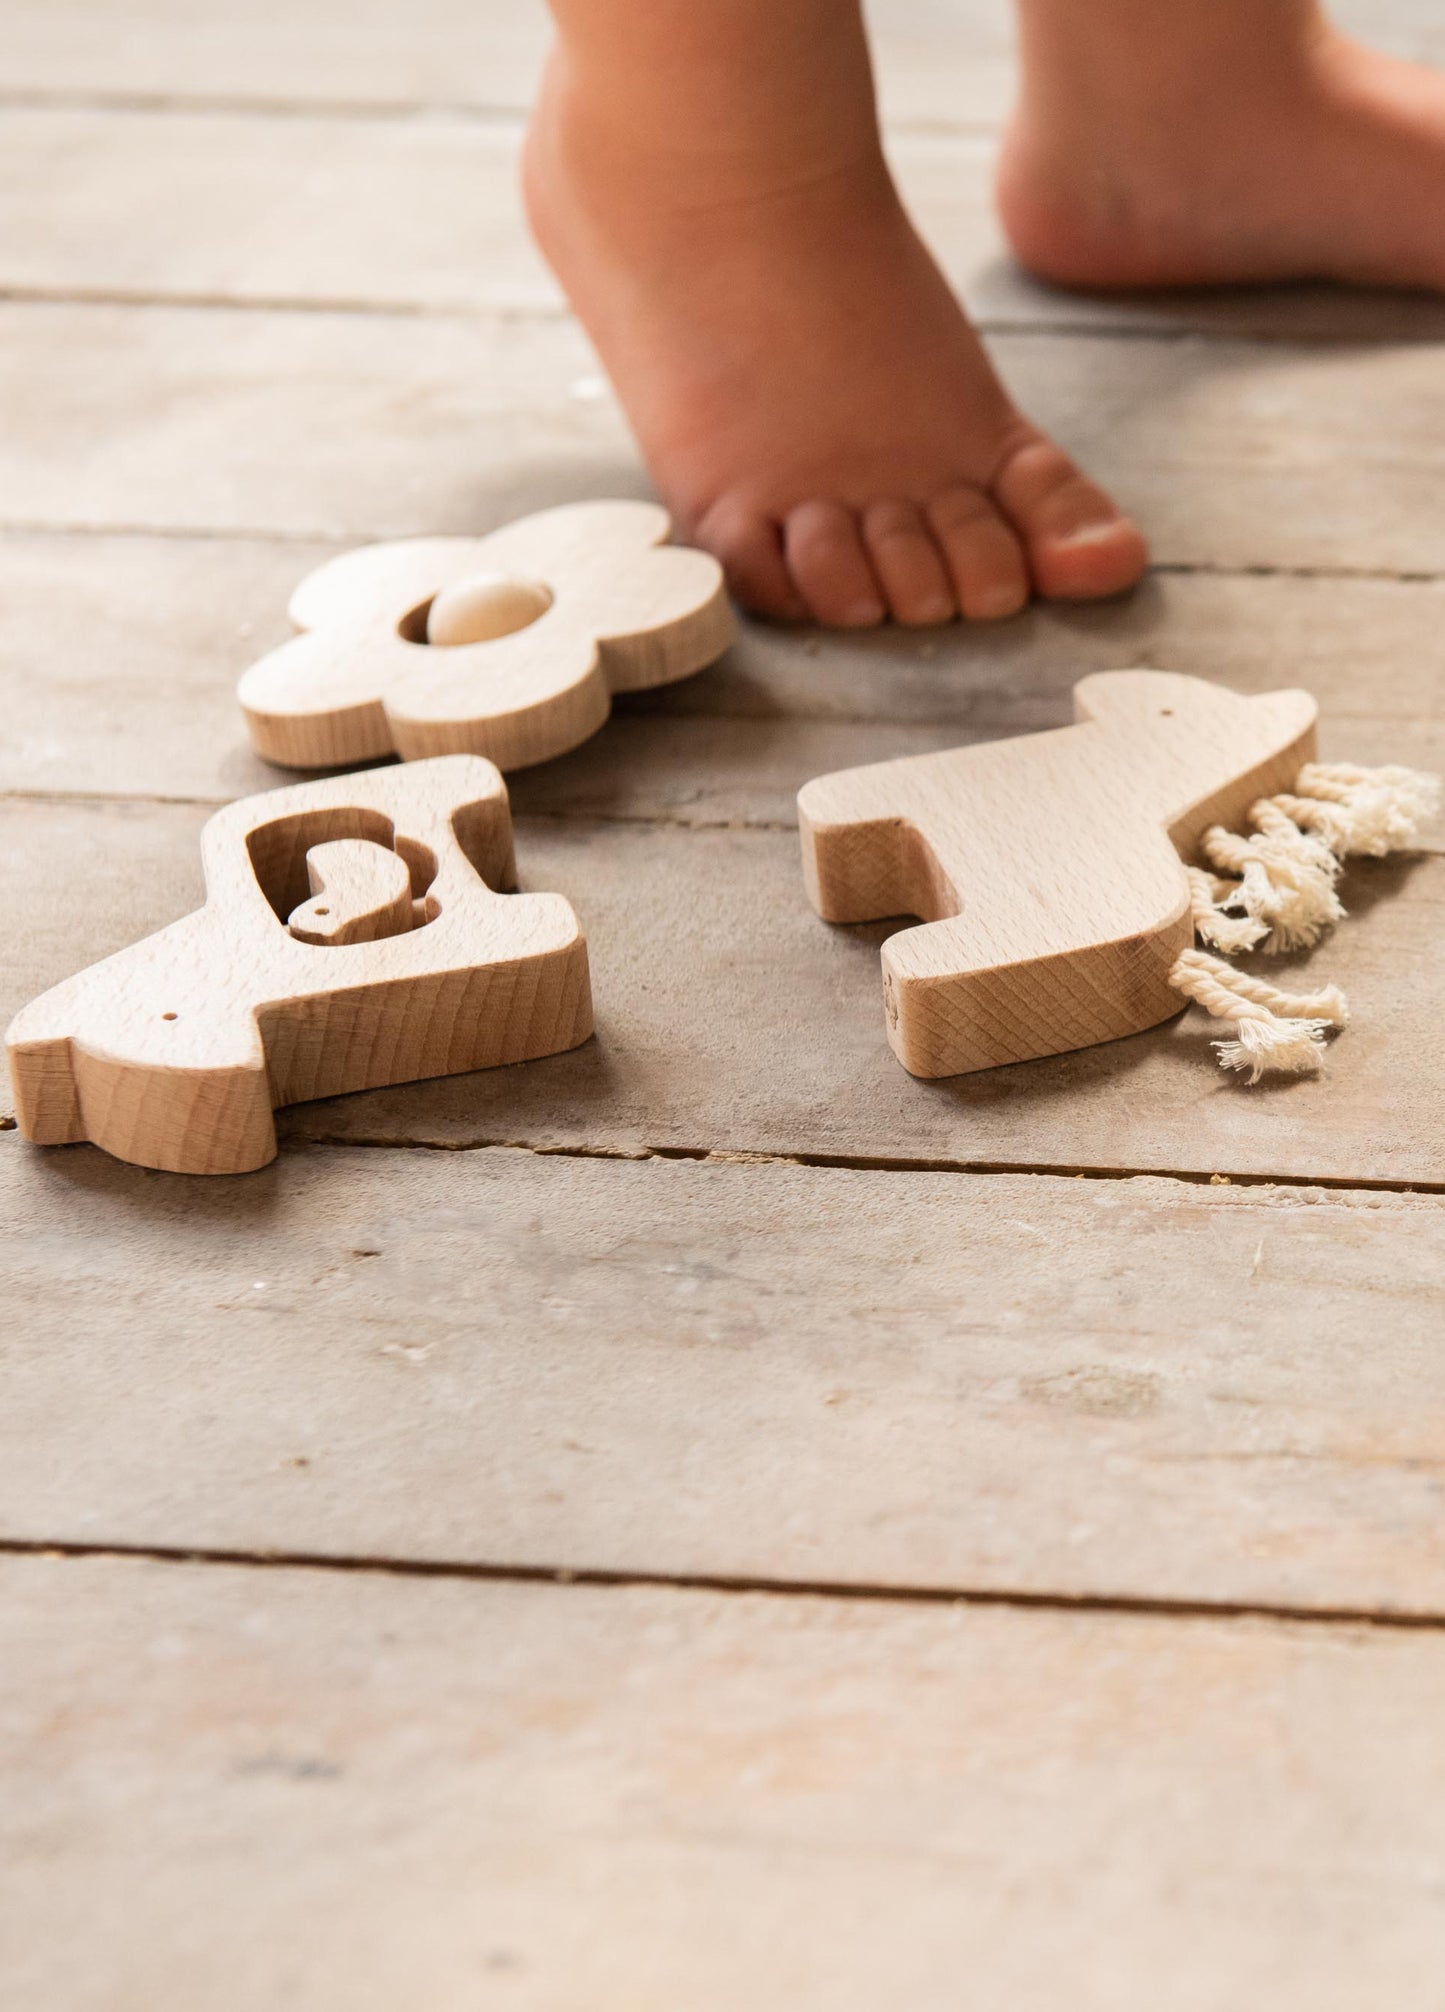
pixel 508 646
pixel 174 1053
pixel 1048 870
pixel 360 892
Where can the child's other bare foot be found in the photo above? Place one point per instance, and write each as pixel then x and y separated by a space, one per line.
pixel 810 400
pixel 1209 141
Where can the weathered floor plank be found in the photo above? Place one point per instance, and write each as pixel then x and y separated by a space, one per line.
pixel 941 63
pixel 340 426
pixel 119 656
pixel 329 53
pixel 731 1019
pixel 376 212
pixel 345 1793
pixel 295 1787
pixel 1142 1389
pixel 390 214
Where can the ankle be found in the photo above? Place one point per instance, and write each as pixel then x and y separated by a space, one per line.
pixel 614 157
pixel 708 102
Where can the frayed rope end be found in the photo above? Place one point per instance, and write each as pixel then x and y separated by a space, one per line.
pixel 1274 1029
pixel 1294 1047
pixel 1276 890
pixel 1364 810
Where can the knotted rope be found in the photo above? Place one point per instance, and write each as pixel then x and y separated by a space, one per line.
pixel 1276 891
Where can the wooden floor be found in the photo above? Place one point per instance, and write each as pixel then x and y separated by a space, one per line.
pixel 705 1521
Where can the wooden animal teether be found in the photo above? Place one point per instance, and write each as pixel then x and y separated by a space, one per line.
pixel 1058 911
pixel 351 937
pixel 508 646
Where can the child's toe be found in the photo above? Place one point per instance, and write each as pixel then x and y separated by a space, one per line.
pixel 985 559
pixel 907 563
pixel 1080 544
pixel 749 547
pixel 824 547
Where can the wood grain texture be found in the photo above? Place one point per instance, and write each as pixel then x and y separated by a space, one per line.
pixel 333 52
pixel 222 420
pixel 375 212
pixel 597 602
pixel 353 1791
pixel 347 1793
pixel 1143 1389
pixel 676 1064
pixel 173 1053
pixel 119 656
pixel 360 892
pixel 941 61
pixel 172 414
pixel 371 211
pixel 1048 870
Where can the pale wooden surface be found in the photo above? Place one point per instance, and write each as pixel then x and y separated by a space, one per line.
pixel 347 426
pixel 181 619
pixel 515 1359
pixel 943 61
pixel 324 1790
pixel 676 1063
pixel 369 211
pixel 360 892
pixel 268 297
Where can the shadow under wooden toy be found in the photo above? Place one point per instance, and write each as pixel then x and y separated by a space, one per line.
pixel 353 935
pixel 508 646
pixel 1048 869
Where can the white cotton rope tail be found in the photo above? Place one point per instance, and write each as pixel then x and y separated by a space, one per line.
pixel 1281 896
pixel 1274 1029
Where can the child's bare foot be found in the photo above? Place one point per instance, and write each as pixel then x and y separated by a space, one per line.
pixel 1212 141
pixel 810 400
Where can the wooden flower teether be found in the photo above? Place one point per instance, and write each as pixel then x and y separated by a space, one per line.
pixel 508 646
pixel 351 937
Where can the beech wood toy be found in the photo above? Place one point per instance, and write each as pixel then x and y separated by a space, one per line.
pixel 352 936
pixel 508 646
pixel 1050 872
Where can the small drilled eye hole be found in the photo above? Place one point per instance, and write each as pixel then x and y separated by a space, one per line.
pixel 168 1016
pixel 323 911
pixel 1166 712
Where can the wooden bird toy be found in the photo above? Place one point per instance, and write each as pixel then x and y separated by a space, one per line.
pixel 1050 872
pixel 508 646
pixel 353 935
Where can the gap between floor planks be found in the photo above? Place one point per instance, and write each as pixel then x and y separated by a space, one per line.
pixel 675 1063
pixel 867 1163
pixel 1235 322
pixel 843 1591
pixel 121 657
pixel 223 420
pixel 332 539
